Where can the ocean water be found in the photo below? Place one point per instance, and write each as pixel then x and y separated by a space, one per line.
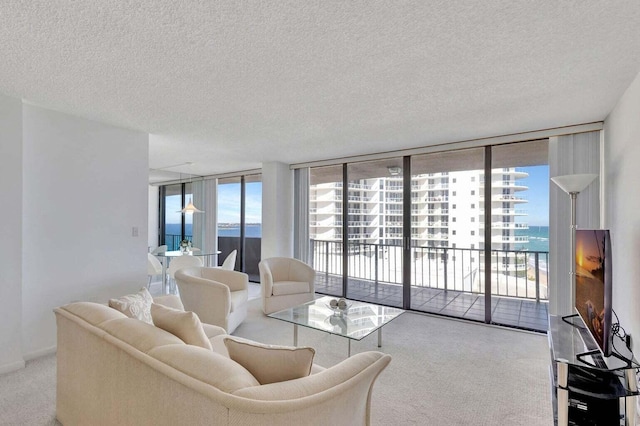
pixel 538 238
pixel 233 230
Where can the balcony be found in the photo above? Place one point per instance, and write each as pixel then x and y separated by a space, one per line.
pixel 444 280
pixel 443 199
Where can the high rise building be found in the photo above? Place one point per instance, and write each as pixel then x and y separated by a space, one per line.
pixel 447 211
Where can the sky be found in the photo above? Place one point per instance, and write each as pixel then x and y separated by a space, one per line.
pixel 538 195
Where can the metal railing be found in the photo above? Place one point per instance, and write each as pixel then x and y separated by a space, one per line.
pixel 521 274
pixel 173 241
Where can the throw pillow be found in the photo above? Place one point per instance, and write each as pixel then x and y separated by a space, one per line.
pixel 270 363
pixel 136 305
pixel 184 325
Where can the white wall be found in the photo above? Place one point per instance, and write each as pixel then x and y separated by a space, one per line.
pixel 11 234
pixel 277 210
pixel 622 206
pixel 85 188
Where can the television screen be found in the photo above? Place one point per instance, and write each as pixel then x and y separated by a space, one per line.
pixel 593 284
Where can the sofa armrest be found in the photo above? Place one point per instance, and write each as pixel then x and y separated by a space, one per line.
pixel 266 279
pixel 204 297
pixel 213 330
pixel 236 281
pixel 359 371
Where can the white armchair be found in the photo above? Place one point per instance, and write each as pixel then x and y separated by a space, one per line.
pixel 285 282
pixel 217 296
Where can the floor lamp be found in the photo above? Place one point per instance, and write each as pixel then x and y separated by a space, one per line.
pixel 573 185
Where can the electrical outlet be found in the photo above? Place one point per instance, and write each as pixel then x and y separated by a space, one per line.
pixel 134 231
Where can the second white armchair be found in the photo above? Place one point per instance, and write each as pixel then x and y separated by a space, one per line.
pixel 286 282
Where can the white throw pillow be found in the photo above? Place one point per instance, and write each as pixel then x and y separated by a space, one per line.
pixel 184 325
pixel 136 305
pixel 270 363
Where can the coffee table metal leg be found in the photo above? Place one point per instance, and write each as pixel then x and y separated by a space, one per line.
pixel 380 337
pixel 349 352
pixel 295 334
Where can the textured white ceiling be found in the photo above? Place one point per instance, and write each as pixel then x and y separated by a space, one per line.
pixel 228 85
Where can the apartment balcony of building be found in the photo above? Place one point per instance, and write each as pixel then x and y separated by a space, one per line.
pixel 438 186
pixel 440 199
pixel 508 197
pixel 397 224
pixel 364 186
pixel 441 211
pixel 438 237
pixel 517 185
pixel 442 280
pixel 329 209
pixel 358 211
pixel 499 211
pixel 393 200
pixel 506 225
pixel 515 173
pixel 325 223
pixel 360 223
pixel 438 224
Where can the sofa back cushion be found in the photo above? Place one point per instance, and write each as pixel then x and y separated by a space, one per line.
pixel 271 363
pixel 93 313
pixel 139 334
pixel 185 325
pixel 206 366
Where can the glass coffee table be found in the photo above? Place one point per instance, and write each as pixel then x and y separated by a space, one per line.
pixel 356 322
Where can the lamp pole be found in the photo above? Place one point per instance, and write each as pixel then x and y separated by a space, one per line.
pixel 572 272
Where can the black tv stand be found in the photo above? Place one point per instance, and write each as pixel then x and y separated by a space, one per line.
pixel 586 387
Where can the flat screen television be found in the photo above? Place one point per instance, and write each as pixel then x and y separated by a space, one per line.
pixel 593 284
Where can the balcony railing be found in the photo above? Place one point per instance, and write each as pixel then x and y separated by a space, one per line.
pixel 521 274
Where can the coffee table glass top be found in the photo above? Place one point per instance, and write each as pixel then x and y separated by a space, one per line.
pixel 356 322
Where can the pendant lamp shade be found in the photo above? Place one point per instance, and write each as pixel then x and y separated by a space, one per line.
pixel 190 208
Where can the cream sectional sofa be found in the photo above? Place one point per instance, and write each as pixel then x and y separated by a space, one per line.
pixel 115 370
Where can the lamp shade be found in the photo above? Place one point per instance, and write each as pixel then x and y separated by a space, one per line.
pixel 190 208
pixel 573 183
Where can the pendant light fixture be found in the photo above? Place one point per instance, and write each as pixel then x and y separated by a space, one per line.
pixel 190 208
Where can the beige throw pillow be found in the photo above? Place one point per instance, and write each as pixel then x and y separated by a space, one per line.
pixel 270 363
pixel 136 305
pixel 184 325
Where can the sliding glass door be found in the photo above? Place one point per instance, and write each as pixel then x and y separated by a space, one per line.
pixel 432 233
pixel 375 231
pixel 326 228
pixel 447 241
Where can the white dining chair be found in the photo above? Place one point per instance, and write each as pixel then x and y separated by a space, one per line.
pixel 179 262
pixel 154 268
pixel 160 249
pixel 230 262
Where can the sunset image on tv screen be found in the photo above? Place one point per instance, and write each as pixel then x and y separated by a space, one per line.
pixel 590 257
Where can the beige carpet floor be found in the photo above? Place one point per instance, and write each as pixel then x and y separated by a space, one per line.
pixel 443 372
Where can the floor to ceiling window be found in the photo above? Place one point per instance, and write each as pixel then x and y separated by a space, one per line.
pixel 240 221
pixel 374 231
pixel 326 227
pixel 175 224
pixel 447 241
pixel 447 265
